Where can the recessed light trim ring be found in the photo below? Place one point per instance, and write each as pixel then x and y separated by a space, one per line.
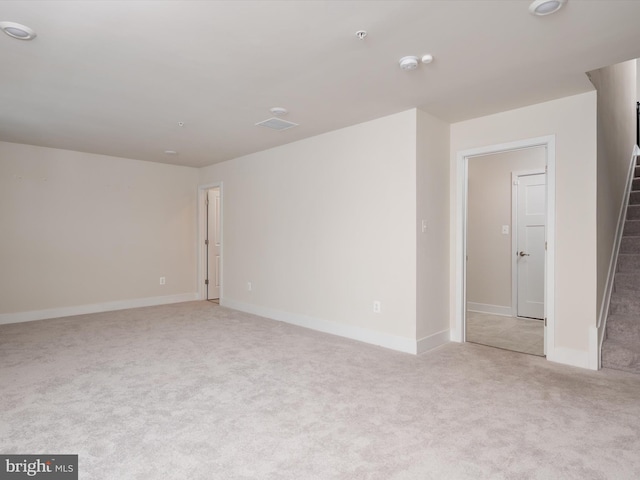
pixel 17 30
pixel 545 7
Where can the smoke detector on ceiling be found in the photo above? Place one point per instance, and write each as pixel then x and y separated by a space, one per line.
pixel 409 63
pixel 276 124
pixel 278 111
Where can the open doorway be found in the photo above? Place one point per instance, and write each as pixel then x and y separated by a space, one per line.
pixel 210 264
pixel 487 287
pixel 505 250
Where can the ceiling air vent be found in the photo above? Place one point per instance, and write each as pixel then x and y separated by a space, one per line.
pixel 276 124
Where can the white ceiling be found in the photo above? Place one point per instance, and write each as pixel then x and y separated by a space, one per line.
pixel 115 77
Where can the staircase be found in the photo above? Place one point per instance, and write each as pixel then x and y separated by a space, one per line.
pixel 621 347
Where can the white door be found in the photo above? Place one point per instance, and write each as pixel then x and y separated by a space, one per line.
pixel 530 253
pixel 213 244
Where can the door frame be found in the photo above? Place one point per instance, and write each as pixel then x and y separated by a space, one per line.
pixel 514 233
pixel 458 331
pixel 202 235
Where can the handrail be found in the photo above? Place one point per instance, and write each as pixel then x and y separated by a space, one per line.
pixel 638 123
pixel 601 322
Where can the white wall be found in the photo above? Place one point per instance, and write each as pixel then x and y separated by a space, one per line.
pixel 617 90
pixel 489 208
pixel 81 229
pixel 323 227
pixel 432 175
pixel 637 80
pixel 573 122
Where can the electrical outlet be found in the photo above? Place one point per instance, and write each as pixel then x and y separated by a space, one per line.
pixel 505 229
pixel 163 280
pixel 249 287
pixel 376 307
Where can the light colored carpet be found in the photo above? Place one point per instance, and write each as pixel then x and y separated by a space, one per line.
pixel 198 391
pixel 511 333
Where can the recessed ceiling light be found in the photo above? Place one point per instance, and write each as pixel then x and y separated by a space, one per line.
pixel 15 30
pixel 170 152
pixel 546 7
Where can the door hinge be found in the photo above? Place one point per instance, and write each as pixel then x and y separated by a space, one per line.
pixel 545 321
pixel 545 245
pixel 206 281
pixel 206 242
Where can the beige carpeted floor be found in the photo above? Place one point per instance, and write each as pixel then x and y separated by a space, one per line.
pixel 197 391
pixel 511 333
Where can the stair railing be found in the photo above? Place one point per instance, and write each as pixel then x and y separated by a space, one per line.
pixel 638 123
pixel 606 300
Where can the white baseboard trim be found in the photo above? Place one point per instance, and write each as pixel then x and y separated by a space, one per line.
pixel 20 317
pixel 594 347
pixel 569 356
pixel 486 308
pixel 455 335
pixel 400 344
pixel 433 341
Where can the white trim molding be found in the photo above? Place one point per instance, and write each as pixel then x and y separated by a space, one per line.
pixel 595 344
pixel 491 309
pixel 31 316
pixel 568 356
pixel 392 342
pixel 432 341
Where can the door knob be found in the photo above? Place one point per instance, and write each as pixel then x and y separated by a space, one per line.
pixel 522 254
